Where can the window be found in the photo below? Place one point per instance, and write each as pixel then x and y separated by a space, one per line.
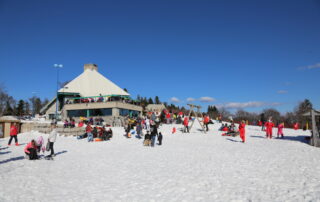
pixel 100 112
pixel 77 113
pixel 126 112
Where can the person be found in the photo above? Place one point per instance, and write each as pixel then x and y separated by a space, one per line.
pixel 147 121
pixel 72 123
pixel 13 134
pixel 147 139
pixel 52 138
pixel 109 134
pixel 280 130
pixel 186 124
pixel 242 131
pixel 39 143
pixel 95 132
pixel 160 138
pixel 139 130
pixel 66 123
pixel 206 120
pixel 89 134
pixel 31 150
pixel 154 133
pixel 263 122
pixel 269 125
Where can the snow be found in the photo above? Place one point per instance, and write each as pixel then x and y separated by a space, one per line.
pixel 187 167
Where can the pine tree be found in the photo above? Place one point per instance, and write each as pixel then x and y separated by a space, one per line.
pixel 157 100
pixel 150 101
pixel 8 109
pixel 27 108
pixel 20 108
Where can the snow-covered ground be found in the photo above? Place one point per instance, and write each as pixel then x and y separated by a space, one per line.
pixel 187 167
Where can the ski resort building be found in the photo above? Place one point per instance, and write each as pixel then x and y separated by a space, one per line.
pixel 91 95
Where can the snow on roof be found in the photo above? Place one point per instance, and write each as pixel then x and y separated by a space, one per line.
pixel 92 83
pixel 9 118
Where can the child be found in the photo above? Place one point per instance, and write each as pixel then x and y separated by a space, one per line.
pixel 39 143
pixel 280 130
pixel 31 150
pixel 160 139
pixel 242 131
pixel 147 139
pixel 269 125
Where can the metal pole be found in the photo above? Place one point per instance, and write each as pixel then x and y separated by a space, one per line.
pixel 57 100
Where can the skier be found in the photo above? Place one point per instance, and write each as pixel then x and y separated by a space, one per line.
pixel 13 134
pixel 242 131
pixel 186 124
pixel 280 130
pixel 269 125
pixel 52 138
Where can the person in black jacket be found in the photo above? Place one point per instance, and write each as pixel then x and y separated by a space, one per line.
pixel 160 139
pixel 147 139
pixel 154 133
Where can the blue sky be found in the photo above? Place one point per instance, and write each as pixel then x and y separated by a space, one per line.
pixel 236 54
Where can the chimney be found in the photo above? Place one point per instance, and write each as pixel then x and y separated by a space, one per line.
pixel 90 66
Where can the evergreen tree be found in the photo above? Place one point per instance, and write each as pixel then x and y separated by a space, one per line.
pixel 150 101
pixel 8 109
pixel 302 108
pixel 212 111
pixel 157 100
pixel 20 108
pixel 27 108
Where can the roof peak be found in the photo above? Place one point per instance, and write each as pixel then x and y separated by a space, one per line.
pixel 90 67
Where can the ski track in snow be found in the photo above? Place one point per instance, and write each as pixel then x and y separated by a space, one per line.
pixel 187 167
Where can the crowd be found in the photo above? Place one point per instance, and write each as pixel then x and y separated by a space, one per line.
pixel 101 99
pixel 146 126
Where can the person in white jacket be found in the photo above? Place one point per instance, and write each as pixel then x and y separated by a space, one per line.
pixel 52 138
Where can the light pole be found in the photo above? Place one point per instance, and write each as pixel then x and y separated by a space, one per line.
pixel 57 66
pixel 34 96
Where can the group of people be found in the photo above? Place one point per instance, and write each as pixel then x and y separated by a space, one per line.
pixel 97 132
pixel 101 99
pixel 69 124
pixel 33 148
pixel 144 126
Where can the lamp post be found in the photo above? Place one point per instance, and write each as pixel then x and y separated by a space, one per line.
pixel 34 96
pixel 57 66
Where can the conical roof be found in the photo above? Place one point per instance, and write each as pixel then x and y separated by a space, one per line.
pixel 92 83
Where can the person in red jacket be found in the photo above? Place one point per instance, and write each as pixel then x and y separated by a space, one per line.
pixel 13 134
pixel 186 124
pixel 269 125
pixel 242 130
pixel 206 120
pixel 89 133
pixel 296 126
pixel 31 150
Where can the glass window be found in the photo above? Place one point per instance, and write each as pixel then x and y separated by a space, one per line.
pixel 126 112
pixel 100 112
pixel 77 113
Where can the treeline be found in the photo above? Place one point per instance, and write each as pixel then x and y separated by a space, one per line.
pixel 10 106
pixel 288 118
